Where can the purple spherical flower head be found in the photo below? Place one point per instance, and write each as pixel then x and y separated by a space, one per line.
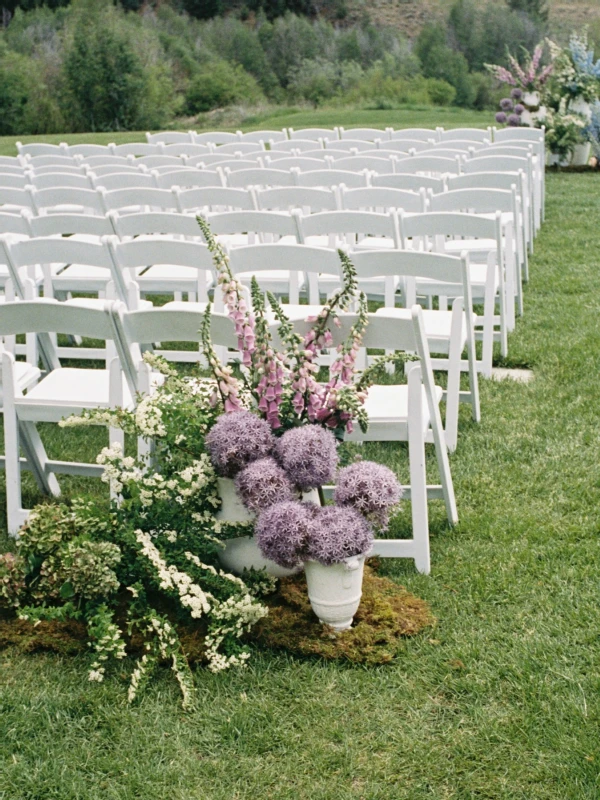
pixel 519 109
pixel 506 104
pixel 514 120
pixel 283 531
pixel 371 489
pixel 309 456
pixel 236 439
pixel 501 117
pixel 262 484
pixel 338 533
pixel 516 93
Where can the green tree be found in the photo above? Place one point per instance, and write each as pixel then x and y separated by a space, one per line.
pixel 536 9
pixel 438 60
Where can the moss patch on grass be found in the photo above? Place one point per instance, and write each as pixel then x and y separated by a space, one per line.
pixel 387 613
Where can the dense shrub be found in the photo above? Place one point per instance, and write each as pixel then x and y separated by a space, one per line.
pixel 439 60
pixel 317 80
pixel 219 84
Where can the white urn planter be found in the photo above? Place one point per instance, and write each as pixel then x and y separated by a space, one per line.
pixel 534 112
pixel 243 552
pixel 581 106
pixel 581 154
pixel 334 591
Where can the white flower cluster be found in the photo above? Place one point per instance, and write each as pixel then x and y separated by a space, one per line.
pixel 118 469
pixel 190 594
pixel 209 568
pixel 98 416
pixel 110 644
pixel 235 615
pixel 148 418
pixel 197 476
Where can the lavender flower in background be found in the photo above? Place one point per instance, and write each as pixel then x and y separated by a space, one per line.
pixel 283 531
pixel 516 93
pixel 262 484
pixel 519 108
pixel 309 456
pixel 501 117
pixel 506 104
pixel 338 533
pixel 236 439
pixel 369 488
pixel 514 120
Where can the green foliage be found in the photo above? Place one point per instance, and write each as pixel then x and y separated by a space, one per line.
pixel 318 80
pixel 439 60
pixel 536 9
pixel 219 84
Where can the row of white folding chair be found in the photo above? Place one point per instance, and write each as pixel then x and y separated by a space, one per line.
pixel 411 413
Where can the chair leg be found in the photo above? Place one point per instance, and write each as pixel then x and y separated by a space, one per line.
pixel 418 478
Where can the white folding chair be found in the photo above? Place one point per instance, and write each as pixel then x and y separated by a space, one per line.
pixel 51 180
pixel 214 198
pixel 34 149
pixel 405 413
pixel 87 150
pixel 351 229
pixel 160 162
pixel 373 164
pixel 135 199
pixel 232 164
pixel 465 134
pixel 430 165
pixel 56 161
pixel 381 198
pixel 264 136
pixel 61 199
pixel 417 134
pixel 93 162
pixel 296 162
pixel 405 145
pixel 347 145
pixel 135 149
pixel 429 232
pixel 238 228
pixel 186 149
pixel 239 147
pixel 11 162
pixel 170 137
pixel 187 178
pixel 62 392
pixel 448 332
pixel 364 134
pixel 214 137
pixel 260 177
pixel 123 180
pixel 286 198
pixel 315 134
pixel 13 200
pixel 328 178
pixel 409 182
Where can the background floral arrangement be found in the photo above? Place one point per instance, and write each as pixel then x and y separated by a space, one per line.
pixel 529 78
pixel 511 109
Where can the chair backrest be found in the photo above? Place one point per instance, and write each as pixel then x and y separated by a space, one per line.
pixel 188 178
pixel 350 224
pixel 443 223
pixel 418 134
pixel 16 223
pixel 238 164
pixel 58 161
pixel 264 136
pixel 406 145
pixel 288 197
pixel 484 180
pixel 135 149
pixel 454 146
pixel 373 164
pixel 260 177
pixel 152 162
pixel 46 200
pixel 297 259
pixel 295 145
pixel 161 223
pixel 214 137
pixel 49 180
pixel 477 201
pixel 136 197
pixel 520 149
pixel 46 315
pixel 381 197
pixel 40 149
pixel 10 196
pixel 123 180
pixel 239 147
pixel 67 224
pixel 148 251
pixel 108 160
pixel 16 181
pixel 465 134
pixel 87 150
pixel 296 162
pixel 111 169
pixel 186 149
pixel 508 134
pixel 348 145
pixel 11 161
pixel 323 155
pixel 332 177
pixel 366 134
pixel 498 164
pixel 169 137
pixel 429 164
pixel 408 181
pixel 313 133
pixel 214 198
pixel 261 222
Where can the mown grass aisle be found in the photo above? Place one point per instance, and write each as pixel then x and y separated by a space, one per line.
pixel 499 700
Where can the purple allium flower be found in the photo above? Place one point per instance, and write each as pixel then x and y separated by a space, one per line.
pixel 309 456
pixel 516 93
pixel 369 488
pixel 263 483
pixel 519 109
pixel 514 120
pixel 236 439
pixel 501 117
pixel 506 104
pixel 283 531
pixel 338 533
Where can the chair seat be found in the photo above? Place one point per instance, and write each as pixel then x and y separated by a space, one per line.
pixel 438 326
pixel 171 278
pixel 68 391
pixel 81 278
pixel 100 302
pixel 387 409
pixel 26 376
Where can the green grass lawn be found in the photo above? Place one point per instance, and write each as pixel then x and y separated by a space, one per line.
pixel 417 117
pixel 500 700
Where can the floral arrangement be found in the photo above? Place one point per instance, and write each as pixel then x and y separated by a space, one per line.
pixel 148 562
pixel 511 109
pixel 563 131
pixel 576 73
pixel 529 78
pixel 592 130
